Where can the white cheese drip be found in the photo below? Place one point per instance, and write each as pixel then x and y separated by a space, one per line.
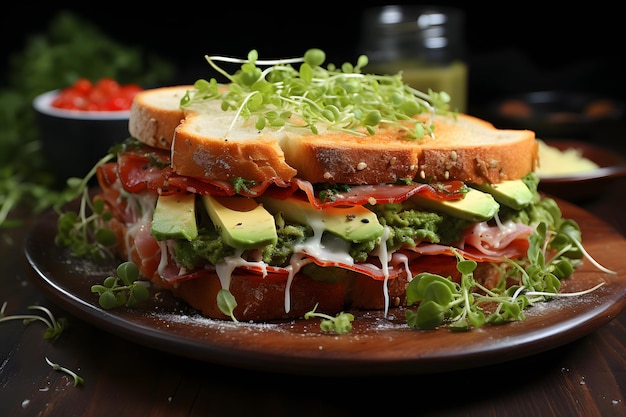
pixel 507 227
pixel 164 258
pixel 383 254
pixel 225 268
pixel 295 264
pixel 403 259
pixel 325 246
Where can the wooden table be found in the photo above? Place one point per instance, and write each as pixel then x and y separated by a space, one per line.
pixel 584 378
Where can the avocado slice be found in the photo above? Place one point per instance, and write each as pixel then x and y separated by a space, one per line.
pixel 175 217
pixel 513 193
pixel 352 223
pixel 242 222
pixel 475 206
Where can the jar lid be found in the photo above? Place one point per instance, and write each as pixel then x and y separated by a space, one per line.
pixel 392 32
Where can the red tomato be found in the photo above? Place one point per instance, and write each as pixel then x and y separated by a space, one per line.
pixel 107 86
pixel 106 94
pixel 82 86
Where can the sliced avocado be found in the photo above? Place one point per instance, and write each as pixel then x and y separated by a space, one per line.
pixel 514 193
pixel 242 222
pixel 352 223
pixel 475 206
pixel 175 217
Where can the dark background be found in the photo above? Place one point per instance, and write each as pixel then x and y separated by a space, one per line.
pixel 512 46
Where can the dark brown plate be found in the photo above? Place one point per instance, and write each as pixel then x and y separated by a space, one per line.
pixel 612 166
pixel 556 114
pixel 376 346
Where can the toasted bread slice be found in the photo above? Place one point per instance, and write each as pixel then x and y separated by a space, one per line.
pixel 472 150
pixel 155 114
pixel 207 144
pixel 462 148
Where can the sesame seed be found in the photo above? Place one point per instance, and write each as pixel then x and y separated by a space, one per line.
pixel 361 166
pixel 453 155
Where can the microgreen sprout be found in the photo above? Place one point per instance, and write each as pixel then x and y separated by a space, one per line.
pixel 329 191
pixel 54 327
pixel 123 290
pixel 342 99
pixel 16 190
pixel 77 379
pixel 575 242
pixel 81 230
pixel 340 324
pixel 241 185
pixel 460 305
pixel 226 303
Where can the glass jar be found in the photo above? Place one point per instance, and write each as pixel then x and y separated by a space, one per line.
pixel 426 43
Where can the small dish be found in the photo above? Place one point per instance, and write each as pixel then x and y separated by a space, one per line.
pixel 74 140
pixel 587 184
pixel 556 114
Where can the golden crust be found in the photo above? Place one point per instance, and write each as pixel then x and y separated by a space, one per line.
pixel 155 114
pixel 207 144
pixel 198 156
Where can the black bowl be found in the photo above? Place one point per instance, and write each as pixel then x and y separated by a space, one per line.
pixel 73 140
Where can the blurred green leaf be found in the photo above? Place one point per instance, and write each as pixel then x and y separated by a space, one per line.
pixel 70 48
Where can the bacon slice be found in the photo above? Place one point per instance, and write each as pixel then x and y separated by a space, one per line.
pixel 484 243
pixel 145 168
pixel 380 193
pixel 148 170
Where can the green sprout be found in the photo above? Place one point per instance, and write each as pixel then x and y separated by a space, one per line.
pixel 340 324
pixel 342 99
pixel 77 379
pixel 54 327
pixel 53 331
pixel 81 230
pixel 226 303
pixel 123 290
pixel 241 185
pixel 459 306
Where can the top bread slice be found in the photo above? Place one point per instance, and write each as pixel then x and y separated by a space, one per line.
pixel 155 114
pixel 206 144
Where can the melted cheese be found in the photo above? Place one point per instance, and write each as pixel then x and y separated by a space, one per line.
pixel 226 268
pixel 295 264
pixel 384 256
pixel 323 246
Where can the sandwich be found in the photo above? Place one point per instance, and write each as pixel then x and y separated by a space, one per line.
pixel 291 189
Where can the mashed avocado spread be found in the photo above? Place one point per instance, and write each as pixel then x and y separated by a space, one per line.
pixel 408 226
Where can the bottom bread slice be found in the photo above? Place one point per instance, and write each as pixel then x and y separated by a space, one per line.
pixel 273 297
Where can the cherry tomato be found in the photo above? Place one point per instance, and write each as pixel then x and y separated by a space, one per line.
pixel 106 94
